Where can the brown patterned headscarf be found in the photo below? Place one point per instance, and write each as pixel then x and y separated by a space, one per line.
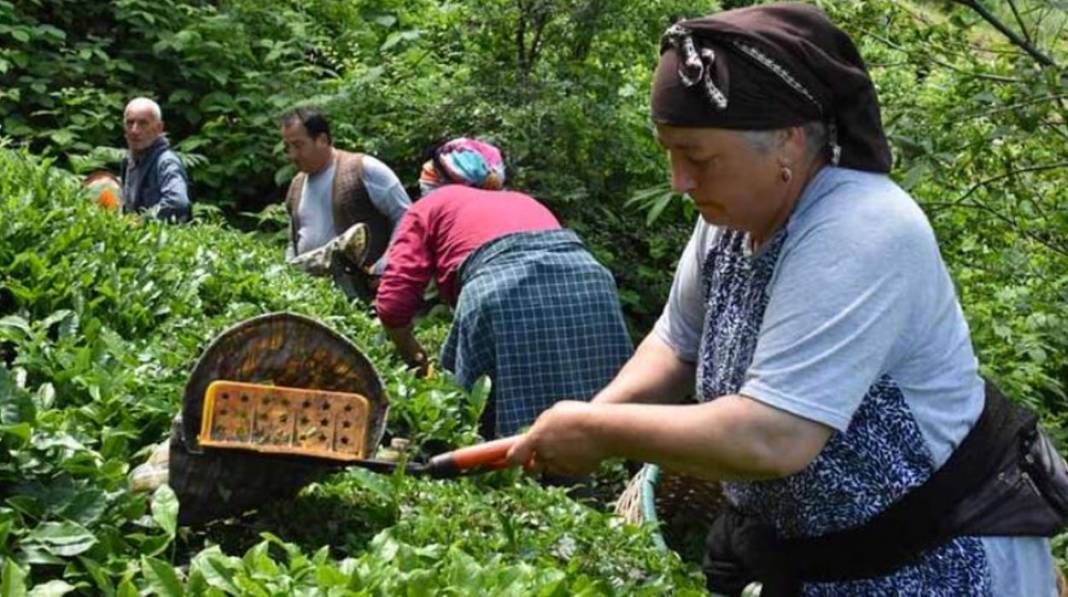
pixel 769 67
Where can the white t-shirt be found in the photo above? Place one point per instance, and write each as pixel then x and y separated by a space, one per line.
pixel 384 190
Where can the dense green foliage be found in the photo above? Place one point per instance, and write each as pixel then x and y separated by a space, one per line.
pixel 980 141
pixel 561 85
pixel 104 317
pixel 554 82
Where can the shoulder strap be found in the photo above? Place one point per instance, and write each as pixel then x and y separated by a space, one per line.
pixel 916 522
pixel 741 547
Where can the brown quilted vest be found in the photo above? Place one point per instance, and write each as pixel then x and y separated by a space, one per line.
pixel 350 205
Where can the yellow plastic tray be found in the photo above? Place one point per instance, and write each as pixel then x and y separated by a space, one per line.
pixel 281 420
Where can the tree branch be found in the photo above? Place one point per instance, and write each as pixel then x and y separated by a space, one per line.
pixel 1009 174
pixel 983 76
pixel 1014 37
pixel 933 208
pixel 1056 128
pixel 586 18
pixel 541 18
pixel 521 39
pixel 1054 99
pixel 1019 21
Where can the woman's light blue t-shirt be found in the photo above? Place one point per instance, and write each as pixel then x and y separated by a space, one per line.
pixel 860 291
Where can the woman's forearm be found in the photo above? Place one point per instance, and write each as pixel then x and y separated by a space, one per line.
pixel 732 437
pixel 407 345
pixel 655 374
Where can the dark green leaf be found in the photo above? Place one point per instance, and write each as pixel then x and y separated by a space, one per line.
pixel 13 583
pixel 62 539
pixel 165 509
pixel 161 577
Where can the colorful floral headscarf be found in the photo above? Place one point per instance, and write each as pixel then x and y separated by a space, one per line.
pixel 464 161
pixel 105 188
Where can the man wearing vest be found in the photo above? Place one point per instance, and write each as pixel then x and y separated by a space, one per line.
pixel 342 206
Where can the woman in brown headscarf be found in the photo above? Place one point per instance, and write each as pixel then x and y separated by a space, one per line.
pixel 816 324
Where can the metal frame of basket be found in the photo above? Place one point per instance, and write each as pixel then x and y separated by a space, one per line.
pixel 674 502
pixel 281 348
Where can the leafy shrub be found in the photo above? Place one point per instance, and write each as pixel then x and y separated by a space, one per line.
pixel 102 317
pixel 554 82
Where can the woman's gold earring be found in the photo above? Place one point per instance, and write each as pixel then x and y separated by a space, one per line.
pixel 786 174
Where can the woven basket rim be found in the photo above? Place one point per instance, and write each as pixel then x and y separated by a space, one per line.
pixel 191 420
pixel 651 476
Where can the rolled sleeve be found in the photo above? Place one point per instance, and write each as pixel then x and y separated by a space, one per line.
pixel 385 190
pixel 388 196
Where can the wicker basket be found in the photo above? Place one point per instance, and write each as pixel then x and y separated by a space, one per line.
pixel 683 507
pixel 280 348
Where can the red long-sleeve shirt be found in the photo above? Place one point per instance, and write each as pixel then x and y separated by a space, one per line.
pixel 438 232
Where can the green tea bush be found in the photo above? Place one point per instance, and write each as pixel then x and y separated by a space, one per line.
pixel 554 82
pixel 101 319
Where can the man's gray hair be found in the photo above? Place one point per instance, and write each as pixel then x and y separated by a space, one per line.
pixel 815 139
pixel 139 102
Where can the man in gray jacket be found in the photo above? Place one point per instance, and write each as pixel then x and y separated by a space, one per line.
pixel 154 182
